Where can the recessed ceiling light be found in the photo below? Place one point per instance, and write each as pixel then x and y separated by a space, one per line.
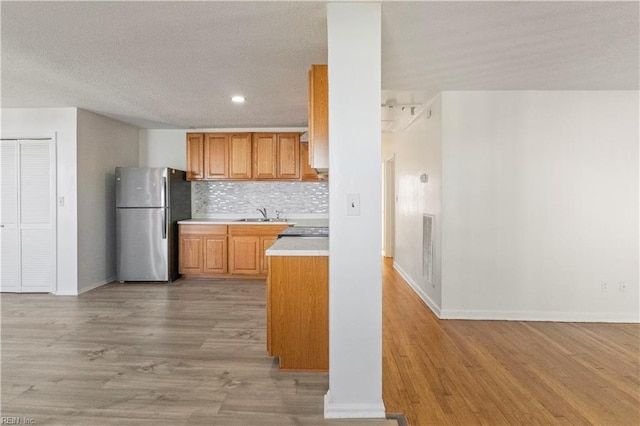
pixel 238 99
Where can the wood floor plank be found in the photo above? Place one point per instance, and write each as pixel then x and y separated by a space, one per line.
pixel 193 352
pixel 190 352
pixel 505 372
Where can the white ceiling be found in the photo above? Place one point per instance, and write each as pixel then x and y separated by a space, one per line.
pixel 175 64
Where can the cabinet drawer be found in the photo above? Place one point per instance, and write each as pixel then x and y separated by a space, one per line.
pixel 256 229
pixel 204 229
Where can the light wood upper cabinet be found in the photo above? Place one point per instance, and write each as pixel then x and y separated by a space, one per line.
pixel 216 155
pixel 276 156
pixel 240 166
pixel 319 117
pixel 243 156
pixel 195 156
pixel 265 152
pixel 213 156
pixel 288 156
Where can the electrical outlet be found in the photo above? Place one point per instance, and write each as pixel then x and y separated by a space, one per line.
pixel 604 287
pixel 622 286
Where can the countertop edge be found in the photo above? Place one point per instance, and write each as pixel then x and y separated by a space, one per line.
pixel 299 246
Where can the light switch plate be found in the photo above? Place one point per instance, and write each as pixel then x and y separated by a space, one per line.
pixel 353 204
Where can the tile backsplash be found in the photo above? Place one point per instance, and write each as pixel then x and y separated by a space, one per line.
pixel 211 198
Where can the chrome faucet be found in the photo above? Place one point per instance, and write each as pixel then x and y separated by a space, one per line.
pixel 263 211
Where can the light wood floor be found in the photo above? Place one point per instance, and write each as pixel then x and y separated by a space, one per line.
pixel 189 353
pixel 502 372
pixel 193 353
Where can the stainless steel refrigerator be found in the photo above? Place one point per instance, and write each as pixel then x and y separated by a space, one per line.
pixel 149 202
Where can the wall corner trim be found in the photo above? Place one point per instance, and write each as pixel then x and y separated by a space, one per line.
pixel 96 285
pixel 333 410
pixel 416 288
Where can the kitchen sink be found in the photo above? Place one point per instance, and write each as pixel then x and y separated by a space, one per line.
pixel 261 219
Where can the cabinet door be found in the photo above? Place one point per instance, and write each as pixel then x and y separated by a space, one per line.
pixel 264 156
pixel 215 254
pixel 244 255
pixel 240 156
pixel 195 156
pixel 265 243
pixel 288 166
pixel 308 174
pixel 216 156
pixel 190 254
pixel 319 117
pixel 269 310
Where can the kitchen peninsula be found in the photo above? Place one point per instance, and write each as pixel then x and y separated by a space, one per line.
pixel 298 303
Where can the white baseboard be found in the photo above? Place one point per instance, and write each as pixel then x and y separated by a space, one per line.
pixel 96 285
pixel 613 317
pixel 471 314
pixel 65 293
pixel 419 291
pixel 333 410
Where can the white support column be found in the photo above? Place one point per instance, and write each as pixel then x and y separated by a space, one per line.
pixel 355 275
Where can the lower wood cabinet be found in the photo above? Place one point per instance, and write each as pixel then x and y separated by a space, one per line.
pixel 247 245
pixel 298 312
pixel 220 251
pixel 244 254
pixel 265 243
pixel 203 249
pixel 215 254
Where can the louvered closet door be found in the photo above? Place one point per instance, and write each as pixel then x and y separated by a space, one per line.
pixel 9 253
pixel 26 216
pixel 36 248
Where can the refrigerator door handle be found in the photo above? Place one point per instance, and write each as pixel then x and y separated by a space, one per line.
pixel 164 211
pixel 165 225
pixel 164 191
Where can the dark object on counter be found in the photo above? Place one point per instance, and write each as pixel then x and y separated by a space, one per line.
pixel 305 231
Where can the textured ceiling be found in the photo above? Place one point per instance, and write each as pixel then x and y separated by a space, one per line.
pixel 175 64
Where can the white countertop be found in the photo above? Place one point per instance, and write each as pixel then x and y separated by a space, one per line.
pixel 291 221
pixel 298 246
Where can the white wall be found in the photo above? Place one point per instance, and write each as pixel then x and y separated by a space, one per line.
pixel 355 265
pixel 163 148
pixel 418 150
pixel 61 124
pixel 103 144
pixel 540 205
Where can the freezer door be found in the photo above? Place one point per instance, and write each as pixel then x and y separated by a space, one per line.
pixel 142 245
pixel 141 187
